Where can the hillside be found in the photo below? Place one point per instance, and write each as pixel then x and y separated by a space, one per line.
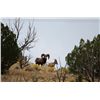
pixel 36 73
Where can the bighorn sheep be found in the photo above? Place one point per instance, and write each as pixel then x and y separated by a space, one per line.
pixel 42 60
pixel 52 64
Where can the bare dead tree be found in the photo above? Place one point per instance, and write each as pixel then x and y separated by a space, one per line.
pixel 24 60
pixel 61 72
pixel 30 37
pixel 28 40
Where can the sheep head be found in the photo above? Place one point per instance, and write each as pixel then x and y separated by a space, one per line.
pixel 45 56
pixel 55 61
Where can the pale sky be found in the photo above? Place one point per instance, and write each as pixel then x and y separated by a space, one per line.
pixel 58 36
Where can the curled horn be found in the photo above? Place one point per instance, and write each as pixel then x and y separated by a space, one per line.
pixel 43 55
pixel 47 55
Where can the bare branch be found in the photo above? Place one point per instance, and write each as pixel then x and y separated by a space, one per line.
pixel 18 26
pixel 26 60
pixel 61 72
pixel 31 37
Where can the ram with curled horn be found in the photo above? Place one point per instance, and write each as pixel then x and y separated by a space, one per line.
pixel 42 60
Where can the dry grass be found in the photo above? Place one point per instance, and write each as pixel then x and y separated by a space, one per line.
pixel 33 73
pixel 17 75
